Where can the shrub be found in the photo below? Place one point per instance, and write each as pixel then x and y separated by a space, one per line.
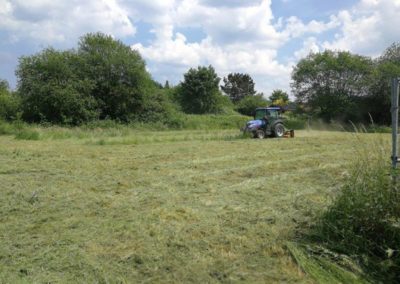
pixel 6 128
pixel 9 106
pixel 225 106
pixel 158 108
pixel 11 128
pixel 102 79
pixel 9 103
pixel 379 129
pixel 248 105
pixel 52 90
pixel 295 123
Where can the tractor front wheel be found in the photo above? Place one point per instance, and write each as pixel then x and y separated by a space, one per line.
pixel 260 134
pixel 279 130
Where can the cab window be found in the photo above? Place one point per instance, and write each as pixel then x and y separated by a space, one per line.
pixel 273 114
pixel 260 113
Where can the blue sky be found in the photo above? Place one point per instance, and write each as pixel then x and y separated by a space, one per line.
pixel 264 38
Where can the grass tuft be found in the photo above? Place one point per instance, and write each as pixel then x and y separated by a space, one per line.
pixel 27 134
pixel 7 128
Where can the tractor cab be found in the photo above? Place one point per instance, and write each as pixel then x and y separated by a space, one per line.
pixel 269 113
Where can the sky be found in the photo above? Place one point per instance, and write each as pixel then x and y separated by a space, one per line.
pixel 263 38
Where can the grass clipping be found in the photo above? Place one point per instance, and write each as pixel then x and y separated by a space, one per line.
pixel 364 220
pixel 320 267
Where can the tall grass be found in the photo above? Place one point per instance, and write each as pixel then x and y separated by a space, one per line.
pixel 203 122
pixel 364 220
pixel 10 128
pixel 27 134
pixel 110 128
pixel 20 130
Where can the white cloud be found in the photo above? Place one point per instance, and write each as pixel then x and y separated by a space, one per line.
pixel 237 35
pixel 227 25
pixel 59 21
pixel 368 28
pixel 239 38
pixel 296 28
pixel 309 45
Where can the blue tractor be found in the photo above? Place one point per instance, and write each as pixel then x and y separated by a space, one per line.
pixel 268 122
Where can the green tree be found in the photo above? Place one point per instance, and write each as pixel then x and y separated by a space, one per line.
pixel 4 86
pixel 120 80
pixel 248 104
pixel 329 83
pixel 199 92
pixel 103 78
pixel 52 88
pixel 279 97
pixel 377 103
pixel 391 54
pixel 9 102
pixel 238 86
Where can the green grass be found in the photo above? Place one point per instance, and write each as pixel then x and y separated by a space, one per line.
pixel 364 219
pixel 107 206
pixel 205 124
pixel 27 134
pixel 316 262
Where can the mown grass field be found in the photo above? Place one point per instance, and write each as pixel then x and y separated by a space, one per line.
pixel 172 206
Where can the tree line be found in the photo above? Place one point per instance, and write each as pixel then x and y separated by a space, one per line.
pixel 341 86
pixel 102 78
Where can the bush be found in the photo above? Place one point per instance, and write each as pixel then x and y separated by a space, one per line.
pixel 379 129
pixel 6 128
pixel 9 103
pixel 295 123
pixel 364 221
pixel 9 106
pixel 248 105
pixel 102 79
pixel 225 106
pixel 52 89
pixel 158 108
pixel 11 128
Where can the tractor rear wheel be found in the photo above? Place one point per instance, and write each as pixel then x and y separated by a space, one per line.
pixel 260 134
pixel 279 130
